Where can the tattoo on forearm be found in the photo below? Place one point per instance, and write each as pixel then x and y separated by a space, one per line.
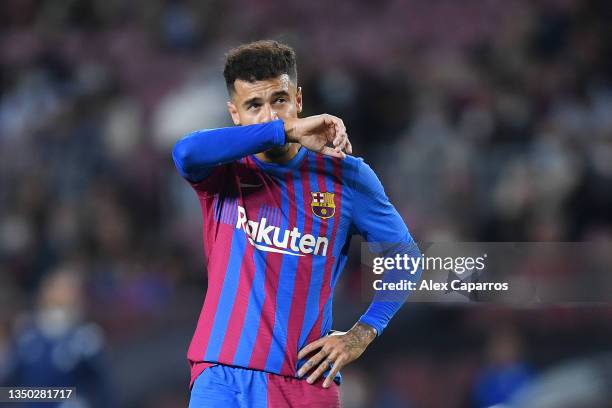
pixel 362 336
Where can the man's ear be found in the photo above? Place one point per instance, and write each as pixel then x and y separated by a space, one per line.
pixel 298 99
pixel 233 112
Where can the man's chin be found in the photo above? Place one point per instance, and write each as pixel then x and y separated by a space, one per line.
pixel 277 152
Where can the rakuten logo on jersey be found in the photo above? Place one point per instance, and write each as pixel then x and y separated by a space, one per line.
pixel 270 238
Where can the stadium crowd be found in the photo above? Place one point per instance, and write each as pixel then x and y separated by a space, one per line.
pixel 485 120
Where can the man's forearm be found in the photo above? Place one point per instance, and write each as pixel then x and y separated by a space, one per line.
pixel 197 153
pixel 387 302
pixel 362 333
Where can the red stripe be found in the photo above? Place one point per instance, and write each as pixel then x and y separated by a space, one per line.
pixel 303 276
pixel 329 262
pixel 217 266
pixel 268 312
pixel 291 392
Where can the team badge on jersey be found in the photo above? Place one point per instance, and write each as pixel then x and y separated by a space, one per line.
pixel 322 204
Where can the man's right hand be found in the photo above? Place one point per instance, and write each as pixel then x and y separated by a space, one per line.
pixel 325 134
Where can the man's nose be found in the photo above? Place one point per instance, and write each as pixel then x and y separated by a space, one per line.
pixel 268 114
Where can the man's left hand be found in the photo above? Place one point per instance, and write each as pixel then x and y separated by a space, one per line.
pixel 335 351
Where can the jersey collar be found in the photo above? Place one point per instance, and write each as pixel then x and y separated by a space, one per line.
pixel 291 164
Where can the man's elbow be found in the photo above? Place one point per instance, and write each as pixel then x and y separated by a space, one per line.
pixel 185 160
pixel 188 161
pixel 181 153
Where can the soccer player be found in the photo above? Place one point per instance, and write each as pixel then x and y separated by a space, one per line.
pixel 280 198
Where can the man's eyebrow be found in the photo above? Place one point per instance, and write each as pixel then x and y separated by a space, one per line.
pixel 248 102
pixel 275 94
pixel 280 93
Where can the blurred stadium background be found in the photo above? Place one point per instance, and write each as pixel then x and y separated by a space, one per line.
pixel 487 120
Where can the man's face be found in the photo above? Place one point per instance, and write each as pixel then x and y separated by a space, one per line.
pixel 256 102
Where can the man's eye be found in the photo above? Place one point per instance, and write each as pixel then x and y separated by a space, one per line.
pixel 280 100
pixel 253 106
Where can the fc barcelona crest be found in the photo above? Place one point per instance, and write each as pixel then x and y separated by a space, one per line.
pixel 322 204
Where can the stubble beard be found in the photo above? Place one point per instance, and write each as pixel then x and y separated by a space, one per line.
pixel 277 153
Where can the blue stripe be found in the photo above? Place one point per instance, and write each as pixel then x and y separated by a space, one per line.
pixel 326 324
pixel 297 186
pixel 216 207
pixel 229 210
pixel 267 212
pixel 342 237
pixel 254 307
pixel 224 211
pixel 318 264
pixel 232 216
pixel 327 310
pixel 256 382
pixel 275 217
pixel 284 294
pixel 228 294
pixel 234 211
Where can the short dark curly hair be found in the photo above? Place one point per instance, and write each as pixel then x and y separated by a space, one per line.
pixel 257 61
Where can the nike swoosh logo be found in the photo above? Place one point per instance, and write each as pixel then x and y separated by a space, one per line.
pixel 246 185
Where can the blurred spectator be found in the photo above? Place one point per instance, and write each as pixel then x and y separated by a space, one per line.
pixel 486 120
pixel 57 347
pixel 505 372
pixel 584 383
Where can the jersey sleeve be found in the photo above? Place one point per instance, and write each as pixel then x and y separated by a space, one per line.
pixel 379 223
pixel 196 154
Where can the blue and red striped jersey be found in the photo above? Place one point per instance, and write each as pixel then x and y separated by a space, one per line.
pixel 276 238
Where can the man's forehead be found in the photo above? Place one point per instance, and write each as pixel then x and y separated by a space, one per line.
pixel 246 89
